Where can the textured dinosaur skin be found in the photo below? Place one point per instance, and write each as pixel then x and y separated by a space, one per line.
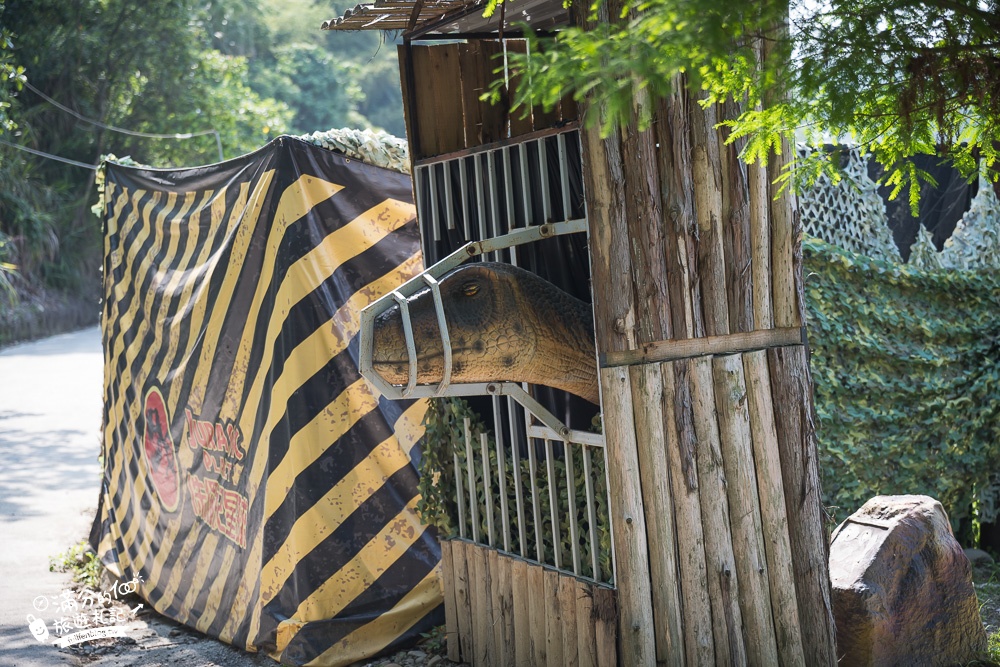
pixel 505 324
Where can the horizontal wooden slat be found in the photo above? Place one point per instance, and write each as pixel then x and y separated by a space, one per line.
pixel 689 348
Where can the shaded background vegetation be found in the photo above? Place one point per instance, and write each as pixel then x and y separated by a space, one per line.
pixel 247 69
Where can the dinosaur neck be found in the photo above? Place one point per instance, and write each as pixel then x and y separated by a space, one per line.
pixel 566 359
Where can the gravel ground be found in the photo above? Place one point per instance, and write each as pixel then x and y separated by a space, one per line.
pixel 153 640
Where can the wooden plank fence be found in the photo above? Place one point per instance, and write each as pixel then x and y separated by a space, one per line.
pixel 502 610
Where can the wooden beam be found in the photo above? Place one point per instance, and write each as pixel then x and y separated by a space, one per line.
pixel 690 348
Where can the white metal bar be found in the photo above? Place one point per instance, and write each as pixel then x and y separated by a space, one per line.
pixel 480 203
pixel 443 329
pixel 508 189
pixel 501 474
pixel 474 248
pixel 536 510
pixel 421 207
pixel 574 542
pixel 449 205
pixel 435 218
pixel 543 177
pixel 564 175
pixel 411 351
pixel 611 518
pixel 491 175
pixel 525 185
pixel 417 283
pixel 463 184
pixel 518 484
pixel 473 491
pixel 588 477
pixel 484 450
pixel 579 437
pixel 460 495
pixel 535 233
pixel 553 505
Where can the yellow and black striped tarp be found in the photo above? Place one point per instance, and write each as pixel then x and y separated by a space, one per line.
pixel 252 480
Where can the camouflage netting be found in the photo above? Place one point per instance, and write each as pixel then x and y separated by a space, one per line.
pixel 906 357
pixel 374 147
pixel 851 215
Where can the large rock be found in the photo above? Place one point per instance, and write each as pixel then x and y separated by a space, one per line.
pixel 902 587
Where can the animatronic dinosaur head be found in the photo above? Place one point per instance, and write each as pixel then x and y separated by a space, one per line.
pixel 505 324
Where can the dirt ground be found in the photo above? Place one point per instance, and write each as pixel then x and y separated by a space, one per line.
pixel 153 640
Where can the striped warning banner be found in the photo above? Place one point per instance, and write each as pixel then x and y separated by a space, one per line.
pixel 253 482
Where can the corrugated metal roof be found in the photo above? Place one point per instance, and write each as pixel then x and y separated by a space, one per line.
pixel 445 17
pixel 395 14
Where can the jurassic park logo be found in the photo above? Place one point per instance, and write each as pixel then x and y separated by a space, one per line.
pixel 221 448
pixel 158 450
pixel 218 453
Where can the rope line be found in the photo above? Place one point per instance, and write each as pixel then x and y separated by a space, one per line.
pixel 49 155
pixel 147 135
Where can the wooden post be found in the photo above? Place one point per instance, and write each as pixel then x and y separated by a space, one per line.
pixel 522 620
pixel 567 613
pixel 655 477
pixel 450 607
pixel 723 584
pixel 744 509
pixel 586 638
pixel 628 521
pixel 790 381
pixel 553 629
pixel 482 612
pixel 605 623
pixel 536 615
pixel 463 602
pixel 699 648
pixel 503 605
pixel 772 505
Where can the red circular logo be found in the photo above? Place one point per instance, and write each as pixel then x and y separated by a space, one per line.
pixel 158 450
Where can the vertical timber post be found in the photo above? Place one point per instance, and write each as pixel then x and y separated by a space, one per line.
pixel 714 486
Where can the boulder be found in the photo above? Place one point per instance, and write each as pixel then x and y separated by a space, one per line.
pixel 902 587
pixel 979 558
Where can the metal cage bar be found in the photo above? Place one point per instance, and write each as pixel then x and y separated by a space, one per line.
pixel 502 483
pixel 574 541
pixel 473 500
pixel 553 482
pixel 518 487
pixel 487 193
pixel 484 451
pixel 536 508
pixel 588 477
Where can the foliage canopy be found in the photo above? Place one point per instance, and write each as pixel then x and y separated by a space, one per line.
pixel 898 77
pixel 247 69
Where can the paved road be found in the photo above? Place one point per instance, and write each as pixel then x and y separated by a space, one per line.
pixel 50 418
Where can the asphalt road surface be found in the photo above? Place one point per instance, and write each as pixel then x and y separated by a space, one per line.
pixel 50 417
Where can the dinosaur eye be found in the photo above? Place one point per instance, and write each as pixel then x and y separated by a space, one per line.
pixel 470 288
